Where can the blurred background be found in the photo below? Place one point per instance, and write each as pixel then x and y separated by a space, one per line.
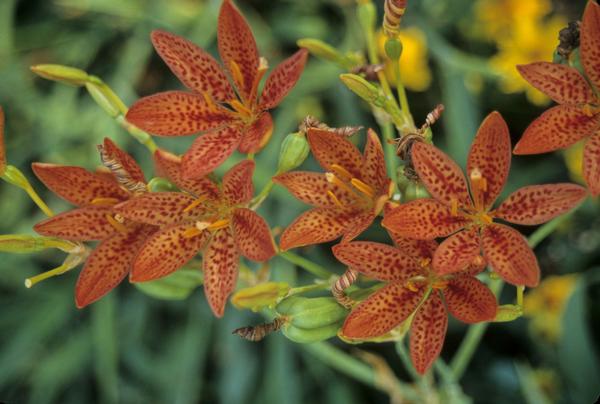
pixel 132 348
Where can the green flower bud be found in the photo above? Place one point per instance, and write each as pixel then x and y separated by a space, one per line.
pixel 63 74
pixel 393 48
pixel 363 89
pixel 367 15
pixel 311 313
pixel 322 50
pixel 106 99
pixel 508 312
pixel 294 150
pixel 25 243
pixel 158 184
pixel 308 336
pixel 177 286
pixel 260 296
pixel 14 176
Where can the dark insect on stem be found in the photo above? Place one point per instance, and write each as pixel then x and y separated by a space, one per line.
pixel 117 170
pixel 258 332
pixel 393 12
pixel 568 38
pixel 311 122
pixel 343 283
pixel 369 72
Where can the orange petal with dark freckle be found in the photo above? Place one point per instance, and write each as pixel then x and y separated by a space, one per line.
pixel 282 79
pixel 83 224
pixel 209 151
pixel 591 164
pixel 252 235
pixel 469 300
pixel 427 332
pixel 315 226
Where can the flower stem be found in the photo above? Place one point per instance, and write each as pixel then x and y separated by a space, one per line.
pixel 404 357
pixel 401 90
pixel 38 201
pixel 391 160
pixel 306 264
pixel 260 198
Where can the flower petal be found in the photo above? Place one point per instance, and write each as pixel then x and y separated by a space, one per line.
pixel 590 42
pixel 177 113
pixel 413 247
pixel 196 69
pixel 160 208
pixel 83 224
pixel 237 182
pixel 257 135
pixel 381 312
pixel 77 185
pixel 220 263
pixel 169 165
pixel 441 176
pixel 469 300
pixel 427 332
pixel 108 264
pixel 237 48
pixel 558 127
pixel 358 224
pixel 377 260
pixel 490 154
pixel 252 235
pixel 591 164
pixel 166 251
pixel 373 170
pixel 313 227
pixel 564 84
pixel 507 252
pixel 457 252
pixel 423 219
pixel 209 151
pixel 310 188
pixel 282 79
pixel 536 204
pixel 127 163
pixel 329 148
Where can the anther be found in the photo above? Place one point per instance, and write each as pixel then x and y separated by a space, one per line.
pixel 454 207
pixel 104 201
pixel 424 262
pixel 117 222
pixel 362 187
pixel 340 171
pixel 209 101
pixel 194 204
pixel 236 72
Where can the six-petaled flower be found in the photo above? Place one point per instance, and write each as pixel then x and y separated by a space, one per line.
pixel 235 116
pixel 469 218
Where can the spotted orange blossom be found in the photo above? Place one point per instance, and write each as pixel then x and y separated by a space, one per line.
pixel 416 286
pixel 578 114
pixel 346 198
pixel 468 217
pixel 234 116
pixel 95 195
pixel 203 218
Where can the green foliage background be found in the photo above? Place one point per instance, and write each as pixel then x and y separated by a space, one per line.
pixel 131 348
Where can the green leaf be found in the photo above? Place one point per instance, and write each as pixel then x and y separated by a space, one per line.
pixel 177 286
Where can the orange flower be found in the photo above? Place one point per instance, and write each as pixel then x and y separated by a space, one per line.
pixel 578 114
pixel 202 218
pixel 415 285
pixel 235 117
pixel 346 198
pixel 95 195
pixel 469 217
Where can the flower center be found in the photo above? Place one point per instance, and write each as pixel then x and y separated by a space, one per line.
pixel 117 221
pixel 200 226
pixel 361 192
pixel 590 110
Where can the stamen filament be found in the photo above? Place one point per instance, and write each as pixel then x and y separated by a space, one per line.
pixel 454 207
pixel 209 101
pixel 114 222
pixel 240 108
pixel 192 232
pixel 479 186
pixel 341 171
pixel 219 224
pixel 195 204
pixel 236 73
pixel 336 181
pixel 104 201
pixel 335 199
pixel 362 187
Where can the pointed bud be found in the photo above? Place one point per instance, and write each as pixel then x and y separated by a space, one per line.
pixel 60 73
pixel 106 99
pixel 363 89
pixel 14 176
pixel 508 312
pixel 294 150
pixel 25 243
pixel 327 52
pixel 367 15
pixel 158 184
pixel 260 296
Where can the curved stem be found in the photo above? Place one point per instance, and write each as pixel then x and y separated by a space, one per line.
pixel 260 198
pixel 306 264
pixel 38 201
pixel 391 160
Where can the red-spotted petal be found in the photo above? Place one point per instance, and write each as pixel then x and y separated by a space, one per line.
pixel 315 226
pixel 311 188
pixel 128 164
pixel 507 252
pixel 490 155
pixel 177 113
pixel 108 264
pixel 220 263
pixel 237 182
pixel 381 312
pixel 257 135
pixel 591 164
pixel 457 252
pixel 469 300
pixel 161 208
pixel 441 176
pixel 562 83
pixel 376 260
pixel 76 185
pixel 282 79
pixel 169 166
pixel 252 235
pixel 413 247
pixel 209 151
pixel 357 224
pixel 558 127
pixel 196 69
pixel 590 42
pixel 83 224
pixel 427 333
pixel 536 204
pixel 166 251
pixel 329 148
pixel 423 219
pixel 237 48
pixel 373 169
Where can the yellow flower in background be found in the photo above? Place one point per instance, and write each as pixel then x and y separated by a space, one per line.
pixel 414 67
pixel 495 19
pixel 574 159
pixel 545 304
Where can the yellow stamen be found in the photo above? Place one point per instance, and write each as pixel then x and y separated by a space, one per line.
pixel 335 199
pixel 336 181
pixel 194 204
pixel 589 110
pixel 104 201
pixel 192 232
pixel 440 284
pixel 479 185
pixel 114 222
pixel 424 262
pixel 362 187
pixel 219 224
pixel 209 101
pixel 341 171
pixel 263 66
pixel 240 108
pixel 236 73
pixel 454 207
pixel 410 285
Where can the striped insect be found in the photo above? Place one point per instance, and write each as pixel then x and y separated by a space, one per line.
pixel 122 176
pixel 343 283
pixel 311 122
pixel 393 12
pixel 258 332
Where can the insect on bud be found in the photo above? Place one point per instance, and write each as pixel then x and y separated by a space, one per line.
pixel 63 74
pixel 294 150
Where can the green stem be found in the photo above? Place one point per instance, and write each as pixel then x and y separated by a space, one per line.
pixel 391 160
pixel 548 228
pixel 38 201
pixel 404 357
pixel 306 264
pixel 260 198
pixel 401 90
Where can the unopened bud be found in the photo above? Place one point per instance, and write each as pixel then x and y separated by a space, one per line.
pixel 294 150
pixel 367 15
pixel 64 74
pixel 14 176
pixel 158 184
pixel 260 296
pixel 25 243
pixel 393 48
pixel 508 312
pixel 321 50
pixel 363 89
pixel 106 99
pixel 311 313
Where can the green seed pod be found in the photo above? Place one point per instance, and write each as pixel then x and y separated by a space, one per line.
pixel 363 89
pixel 307 336
pixel 508 312
pixel 285 306
pixel 294 150
pixel 414 191
pixel 393 48
pixel 318 312
pixel 158 184
pixel 60 73
pixel 259 296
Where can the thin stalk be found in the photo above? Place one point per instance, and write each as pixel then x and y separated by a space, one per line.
pixel 391 160
pixel 260 198
pixel 401 90
pixel 306 264
pixel 38 201
pixel 29 282
pixel 404 357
